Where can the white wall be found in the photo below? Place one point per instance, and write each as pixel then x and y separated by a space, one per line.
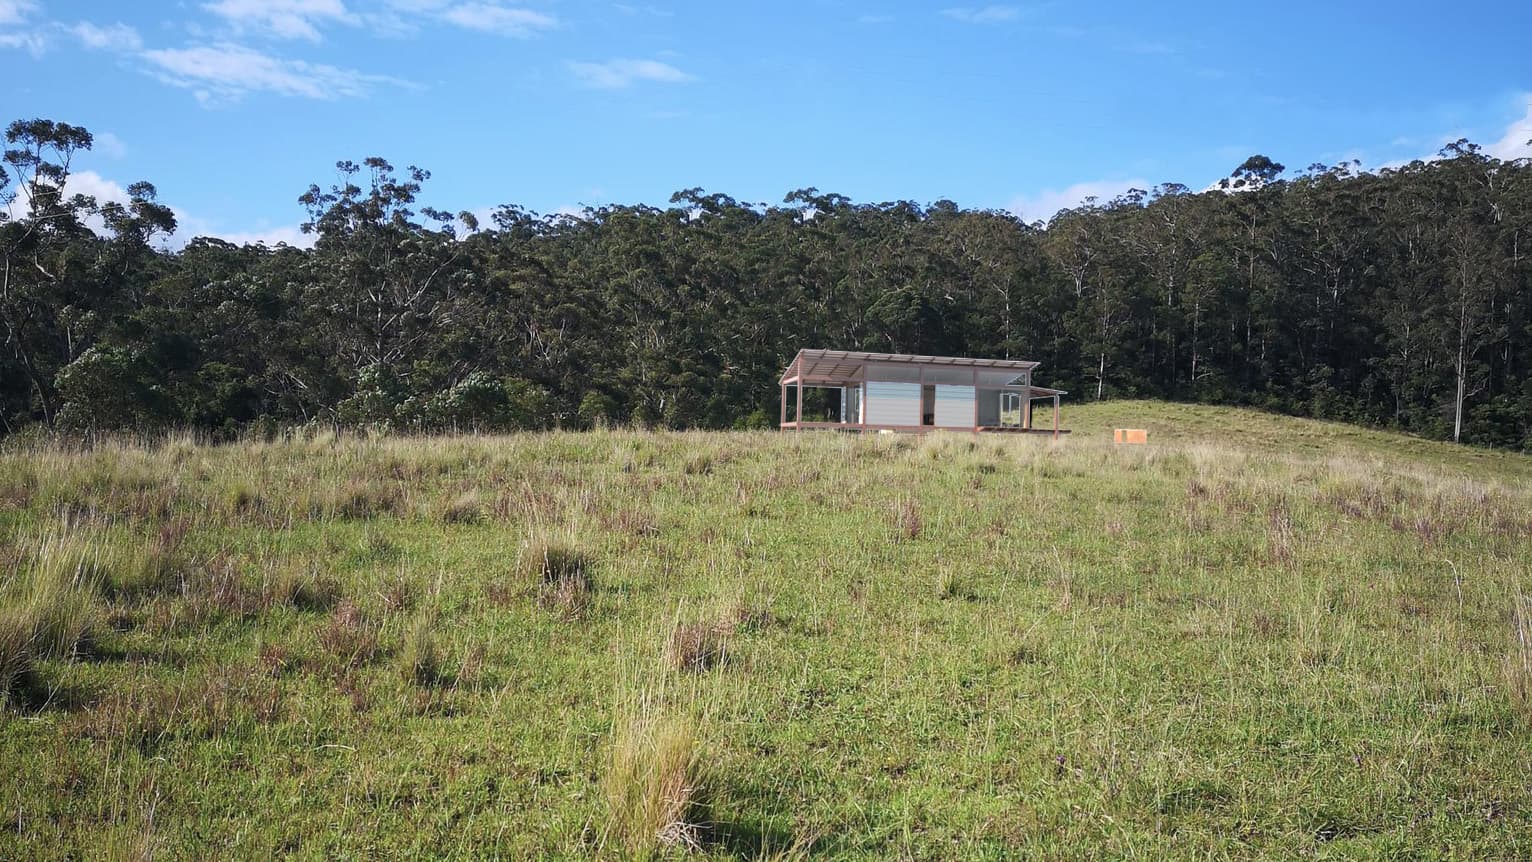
pixel 893 403
pixel 954 406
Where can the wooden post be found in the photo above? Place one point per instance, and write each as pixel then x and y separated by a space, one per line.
pixel 799 417
pixel 783 421
pixel 1055 417
pixel 976 400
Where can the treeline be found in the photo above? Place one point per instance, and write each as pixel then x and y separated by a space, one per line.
pixel 1398 298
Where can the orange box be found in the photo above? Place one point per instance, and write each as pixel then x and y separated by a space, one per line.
pixel 1132 436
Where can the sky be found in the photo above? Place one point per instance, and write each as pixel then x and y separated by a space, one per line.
pixel 232 108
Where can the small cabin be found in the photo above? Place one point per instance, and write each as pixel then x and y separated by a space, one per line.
pixel 907 392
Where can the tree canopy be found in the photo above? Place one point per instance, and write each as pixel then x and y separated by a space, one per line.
pixel 1397 298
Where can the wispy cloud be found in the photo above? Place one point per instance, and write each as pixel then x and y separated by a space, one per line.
pixel 983 14
pixel 618 74
pixel 17 30
pixel 631 9
pixel 109 145
pixel 404 17
pixel 500 20
pixel 112 37
pixel 1044 205
pixel 1516 143
pixel 225 72
pixel 284 19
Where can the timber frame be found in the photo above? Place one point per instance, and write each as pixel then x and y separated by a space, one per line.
pixel 876 394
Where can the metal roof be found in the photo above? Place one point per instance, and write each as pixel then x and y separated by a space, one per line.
pixel 842 363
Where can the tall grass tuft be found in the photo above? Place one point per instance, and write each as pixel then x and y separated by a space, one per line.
pixel 59 600
pixel 1518 665
pixel 420 657
pixel 907 521
pixel 558 570
pixel 465 508
pixel 654 784
pixel 15 650
pixel 699 645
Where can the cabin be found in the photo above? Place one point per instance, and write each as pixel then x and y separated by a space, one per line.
pixel 911 393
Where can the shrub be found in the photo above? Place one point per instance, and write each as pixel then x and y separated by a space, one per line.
pixel 654 785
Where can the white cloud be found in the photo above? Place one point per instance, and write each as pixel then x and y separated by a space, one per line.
pixel 109 145
pixel 402 17
pixel 87 183
pixel 618 74
pixel 285 19
pixel 1514 143
pixel 293 235
pixel 983 15
pixel 630 9
pixel 33 42
pixel 113 37
pixel 16 29
pixel 1045 204
pixel 500 20
pixel 16 11
pixel 226 72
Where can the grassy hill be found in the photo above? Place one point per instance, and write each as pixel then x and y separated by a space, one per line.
pixel 1257 637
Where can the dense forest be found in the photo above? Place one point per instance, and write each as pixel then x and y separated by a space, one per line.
pixel 1399 298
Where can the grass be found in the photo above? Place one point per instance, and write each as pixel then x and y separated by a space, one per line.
pixel 654 783
pixel 1256 637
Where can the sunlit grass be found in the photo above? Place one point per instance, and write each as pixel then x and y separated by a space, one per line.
pixel 1254 637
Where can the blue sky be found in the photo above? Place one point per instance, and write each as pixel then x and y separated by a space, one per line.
pixel 232 107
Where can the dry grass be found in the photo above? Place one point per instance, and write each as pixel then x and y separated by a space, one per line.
pixel 350 637
pixel 699 645
pixel 53 605
pixel 907 521
pixel 1279 673
pixel 654 785
pixel 1518 664
pixel 421 659
pixel 465 508
pixel 301 587
pixel 558 570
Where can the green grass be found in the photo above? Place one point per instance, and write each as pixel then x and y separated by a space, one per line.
pixel 1256 637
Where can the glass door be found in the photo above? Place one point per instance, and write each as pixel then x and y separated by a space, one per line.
pixel 1010 409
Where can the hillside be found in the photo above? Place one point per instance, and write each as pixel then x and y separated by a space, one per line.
pixel 1257 637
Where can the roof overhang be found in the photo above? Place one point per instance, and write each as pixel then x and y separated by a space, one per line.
pixel 834 367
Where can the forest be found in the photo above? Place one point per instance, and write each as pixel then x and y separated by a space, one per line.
pixel 1396 298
